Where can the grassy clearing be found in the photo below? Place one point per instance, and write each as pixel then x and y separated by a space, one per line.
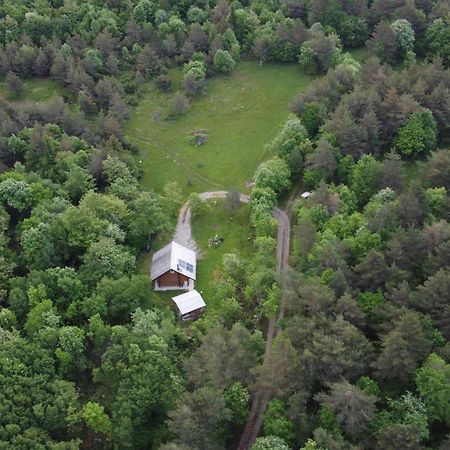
pixel 240 113
pixel 35 89
pixel 232 226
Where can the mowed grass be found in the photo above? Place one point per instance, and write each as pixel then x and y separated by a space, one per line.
pixel 34 89
pixel 233 227
pixel 240 112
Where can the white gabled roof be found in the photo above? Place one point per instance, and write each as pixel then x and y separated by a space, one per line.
pixel 189 301
pixel 174 257
pixel 306 194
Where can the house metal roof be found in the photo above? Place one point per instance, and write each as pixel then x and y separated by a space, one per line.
pixel 174 257
pixel 189 301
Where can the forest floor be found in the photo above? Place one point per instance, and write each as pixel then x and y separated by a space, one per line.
pixel 240 113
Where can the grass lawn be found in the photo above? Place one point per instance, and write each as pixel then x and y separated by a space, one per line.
pixel 241 112
pixel 232 226
pixel 35 89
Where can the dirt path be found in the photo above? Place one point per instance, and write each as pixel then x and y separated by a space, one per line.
pixel 183 231
pixel 254 421
pixel 183 235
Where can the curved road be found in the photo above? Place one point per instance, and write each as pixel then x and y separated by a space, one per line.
pixel 183 235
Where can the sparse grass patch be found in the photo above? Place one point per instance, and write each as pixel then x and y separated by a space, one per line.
pixel 241 113
pixel 34 89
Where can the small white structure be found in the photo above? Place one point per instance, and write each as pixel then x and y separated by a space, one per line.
pixel 174 268
pixel 189 305
pixel 305 194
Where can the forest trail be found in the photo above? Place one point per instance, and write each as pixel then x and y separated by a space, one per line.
pixel 254 420
pixel 183 235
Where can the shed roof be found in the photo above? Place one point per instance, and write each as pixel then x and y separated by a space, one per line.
pixel 174 257
pixel 189 301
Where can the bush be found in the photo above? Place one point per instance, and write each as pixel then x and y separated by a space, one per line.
pixel 163 82
pixel 223 61
pixel 179 105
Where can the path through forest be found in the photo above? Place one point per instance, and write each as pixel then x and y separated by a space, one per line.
pixel 183 235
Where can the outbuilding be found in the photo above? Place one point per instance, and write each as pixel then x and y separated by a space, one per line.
pixel 173 268
pixel 306 194
pixel 189 305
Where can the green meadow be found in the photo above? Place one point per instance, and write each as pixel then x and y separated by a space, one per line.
pixel 240 113
pixel 232 227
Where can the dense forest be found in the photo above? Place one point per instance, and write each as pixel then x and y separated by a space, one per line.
pixel 91 357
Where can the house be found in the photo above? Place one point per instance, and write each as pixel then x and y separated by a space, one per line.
pixel 189 305
pixel 173 268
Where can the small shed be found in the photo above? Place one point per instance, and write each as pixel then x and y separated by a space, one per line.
pixel 174 268
pixel 189 305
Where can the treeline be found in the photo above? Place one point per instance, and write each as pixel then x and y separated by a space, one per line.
pixel 362 358
pixel 126 42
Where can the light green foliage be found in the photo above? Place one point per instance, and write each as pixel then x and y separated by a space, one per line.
pixel 96 419
pixel 328 421
pixel 37 317
pixel 362 242
pixel 271 443
pixel 51 405
pixel 308 57
pixel 292 144
pixel 368 385
pixel 369 302
pixel 407 411
pixel 71 348
pixel 144 11
pixel 365 178
pixel 433 384
pixel 276 422
pixel 142 379
pixel 196 15
pixel 404 35
pixel 435 198
pixel 273 174
pixel 310 445
pixel 418 135
pixel 237 398
pixel 147 218
pixel 105 258
pixel 78 182
pixel 116 299
pixel 223 61
pixel 195 68
pixel 272 303
pixel 438 39
pixel 17 194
